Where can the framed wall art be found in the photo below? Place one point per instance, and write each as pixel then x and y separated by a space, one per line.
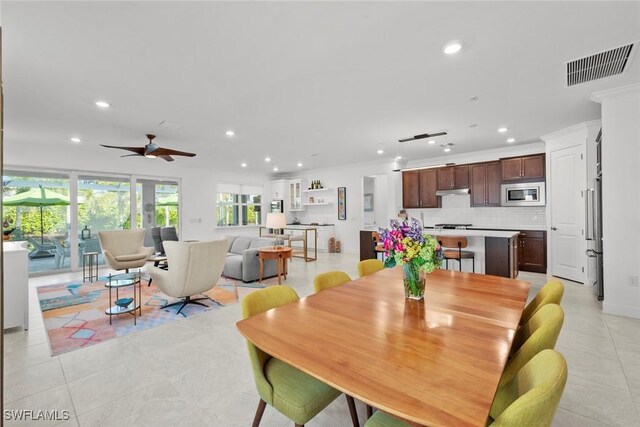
pixel 342 203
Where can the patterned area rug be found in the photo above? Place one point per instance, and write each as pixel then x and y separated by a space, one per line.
pixel 74 313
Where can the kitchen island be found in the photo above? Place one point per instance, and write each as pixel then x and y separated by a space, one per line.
pixel 496 252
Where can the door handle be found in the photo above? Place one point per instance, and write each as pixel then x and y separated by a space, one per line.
pixel 554 228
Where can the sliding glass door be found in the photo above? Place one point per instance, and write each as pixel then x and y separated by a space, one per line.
pixel 36 210
pixel 104 203
pixel 158 205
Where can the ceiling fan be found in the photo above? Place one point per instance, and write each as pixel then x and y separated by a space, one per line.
pixel 152 150
pixel 422 136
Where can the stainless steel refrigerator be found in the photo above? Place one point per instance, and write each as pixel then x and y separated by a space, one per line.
pixel 277 206
pixel 593 230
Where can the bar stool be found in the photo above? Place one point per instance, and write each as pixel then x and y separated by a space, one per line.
pixel 378 248
pixel 452 249
pixel 299 238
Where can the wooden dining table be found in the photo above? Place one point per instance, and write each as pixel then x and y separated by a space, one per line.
pixel 435 362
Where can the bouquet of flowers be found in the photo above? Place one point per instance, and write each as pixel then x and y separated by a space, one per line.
pixel 406 244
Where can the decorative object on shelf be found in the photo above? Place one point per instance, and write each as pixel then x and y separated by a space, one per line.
pixel 311 200
pixel 315 185
pixel 418 253
pixel 295 221
pixel 338 246
pixel 276 221
pixel 123 302
pixel 368 202
pixel 342 203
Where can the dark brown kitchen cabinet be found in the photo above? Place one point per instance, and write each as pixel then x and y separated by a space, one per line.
pixel 419 189
pixel 453 178
pixel 501 256
pixel 411 189
pixel 485 184
pixel 532 251
pixel 527 168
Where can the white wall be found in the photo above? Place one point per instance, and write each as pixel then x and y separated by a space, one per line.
pixel 198 188
pixel 621 198
pixel 368 187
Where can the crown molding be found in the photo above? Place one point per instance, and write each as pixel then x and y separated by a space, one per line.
pixel 617 91
pixel 584 126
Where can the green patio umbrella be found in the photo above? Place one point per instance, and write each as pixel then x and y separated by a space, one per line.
pixel 38 197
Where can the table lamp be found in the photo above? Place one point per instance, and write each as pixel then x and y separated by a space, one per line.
pixel 276 221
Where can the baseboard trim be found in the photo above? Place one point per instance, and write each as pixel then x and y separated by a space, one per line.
pixel 621 310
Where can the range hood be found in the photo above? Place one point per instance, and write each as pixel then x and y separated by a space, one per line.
pixel 458 192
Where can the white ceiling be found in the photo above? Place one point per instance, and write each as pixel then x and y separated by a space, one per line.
pixel 296 79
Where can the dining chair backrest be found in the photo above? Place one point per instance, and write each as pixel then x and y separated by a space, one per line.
pixel 255 303
pixel 330 279
pixel 169 234
pixel 531 398
pixel 539 333
pixel 551 293
pixel 369 266
pixel 457 242
pixel 157 240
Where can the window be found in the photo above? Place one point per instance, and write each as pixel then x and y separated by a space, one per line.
pixel 238 205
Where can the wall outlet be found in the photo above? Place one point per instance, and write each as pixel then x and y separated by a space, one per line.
pixel 633 281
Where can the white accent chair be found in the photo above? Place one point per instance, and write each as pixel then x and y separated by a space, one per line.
pixel 195 268
pixel 123 249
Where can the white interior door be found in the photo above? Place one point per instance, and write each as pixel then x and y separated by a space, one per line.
pixel 567 213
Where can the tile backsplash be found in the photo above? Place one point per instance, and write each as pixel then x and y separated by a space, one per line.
pixel 456 209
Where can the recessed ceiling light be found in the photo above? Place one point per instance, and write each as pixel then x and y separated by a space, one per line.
pixel 510 140
pixel 243 164
pixel 76 140
pixel 380 151
pixel 102 104
pixel 299 164
pixel 502 130
pixel 452 47
pixel 230 133
pixel 398 157
pixel 446 150
pixel 431 141
pixel 275 169
pixel 267 159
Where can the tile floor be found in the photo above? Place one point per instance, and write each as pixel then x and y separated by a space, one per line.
pixel 195 372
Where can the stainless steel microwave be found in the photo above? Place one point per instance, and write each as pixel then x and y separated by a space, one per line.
pixel 523 194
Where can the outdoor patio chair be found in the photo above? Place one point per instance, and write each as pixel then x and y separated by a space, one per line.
pixel 63 251
pixel 41 250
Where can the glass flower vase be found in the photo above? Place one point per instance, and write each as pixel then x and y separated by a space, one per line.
pixel 414 280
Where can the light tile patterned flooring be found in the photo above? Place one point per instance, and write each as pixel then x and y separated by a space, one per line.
pixel 195 372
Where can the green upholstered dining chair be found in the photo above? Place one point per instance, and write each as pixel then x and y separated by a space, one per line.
pixel 330 279
pixel 369 266
pixel 295 394
pixel 530 399
pixel 551 293
pixel 539 333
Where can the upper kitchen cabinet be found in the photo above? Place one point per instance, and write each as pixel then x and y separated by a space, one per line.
pixel 528 168
pixel 295 195
pixel 485 184
pixel 453 178
pixel 419 189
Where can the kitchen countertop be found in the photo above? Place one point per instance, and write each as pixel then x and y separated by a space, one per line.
pixel 473 233
pixel 310 225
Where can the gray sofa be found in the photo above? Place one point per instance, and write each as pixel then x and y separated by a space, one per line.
pixel 242 261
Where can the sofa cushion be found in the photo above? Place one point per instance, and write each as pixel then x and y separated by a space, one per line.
pixel 233 266
pixel 240 244
pixel 230 240
pixel 131 257
pixel 261 242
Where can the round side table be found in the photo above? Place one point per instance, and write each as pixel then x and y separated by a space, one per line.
pixel 280 254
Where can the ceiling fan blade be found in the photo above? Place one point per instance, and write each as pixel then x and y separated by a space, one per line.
pixel 167 158
pixel 422 136
pixel 169 152
pixel 132 155
pixel 137 150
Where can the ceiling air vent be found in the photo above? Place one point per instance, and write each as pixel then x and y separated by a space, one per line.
pixel 599 65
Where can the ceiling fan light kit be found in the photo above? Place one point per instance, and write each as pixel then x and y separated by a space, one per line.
pixel 152 150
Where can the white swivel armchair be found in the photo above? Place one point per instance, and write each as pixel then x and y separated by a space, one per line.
pixel 123 249
pixel 195 267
